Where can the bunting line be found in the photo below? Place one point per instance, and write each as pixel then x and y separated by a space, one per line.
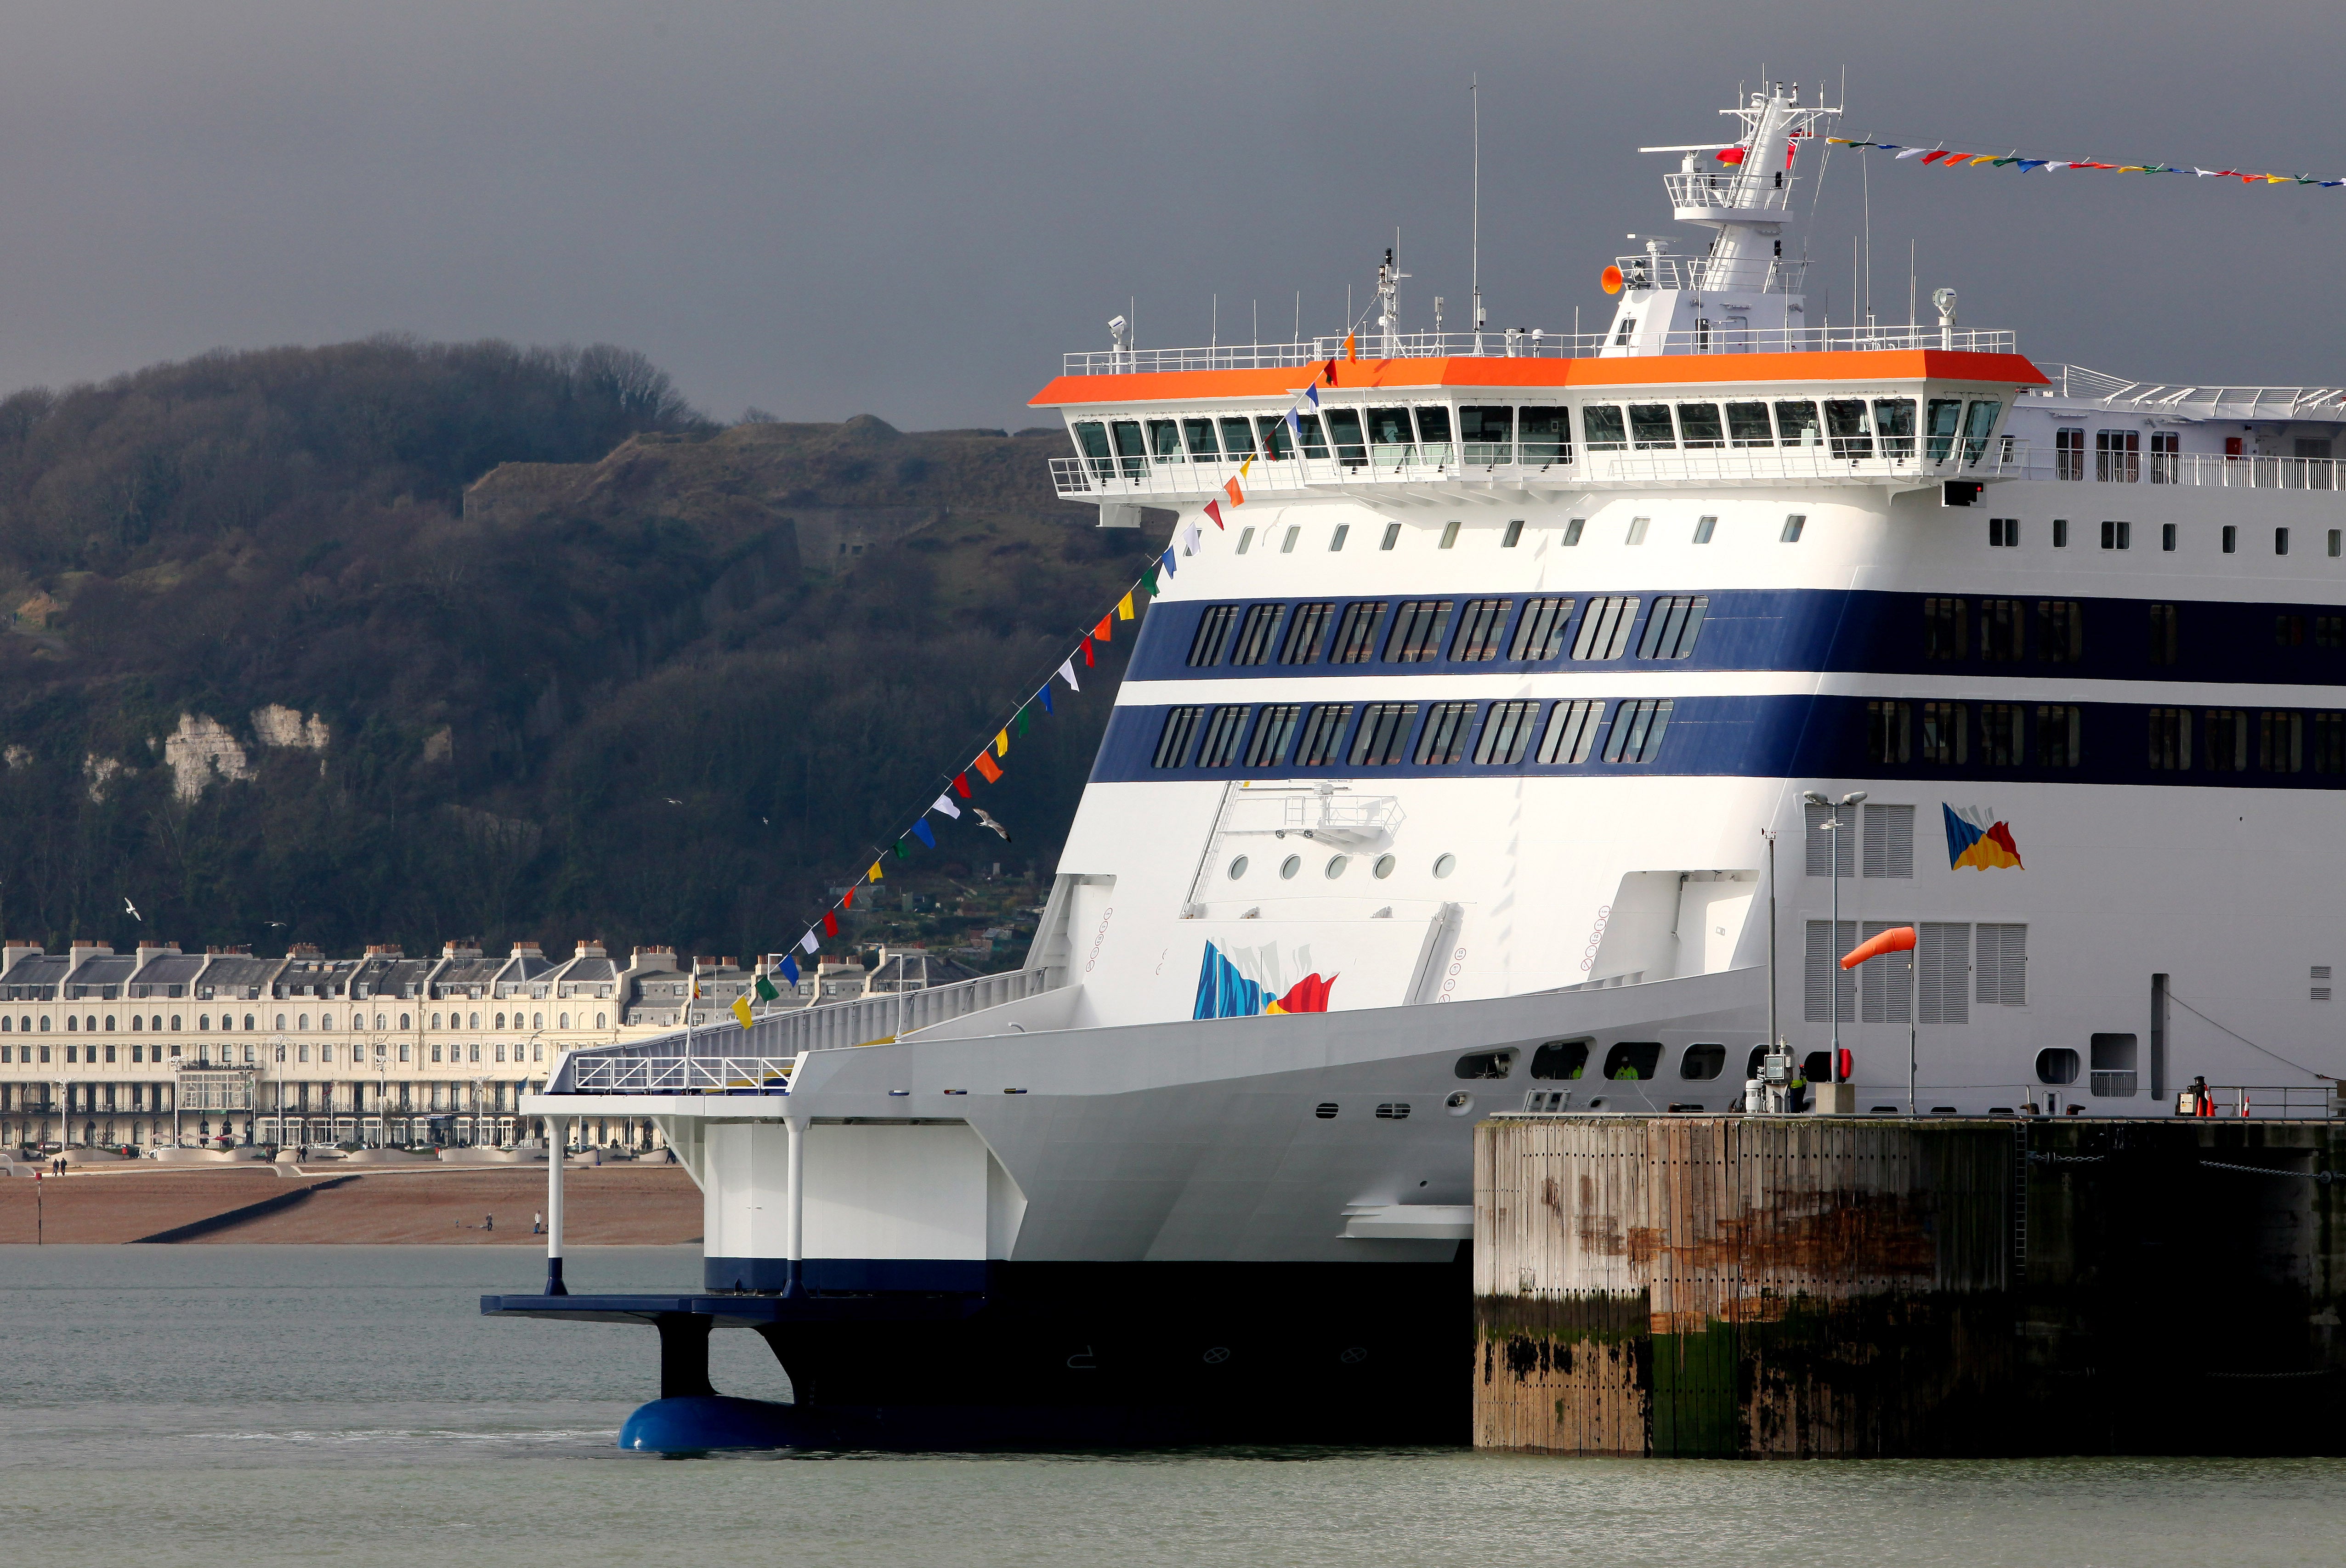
pixel 1949 158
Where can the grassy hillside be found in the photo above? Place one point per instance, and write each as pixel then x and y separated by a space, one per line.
pixel 397 642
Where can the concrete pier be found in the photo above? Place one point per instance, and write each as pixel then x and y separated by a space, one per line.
pixel 1827 1286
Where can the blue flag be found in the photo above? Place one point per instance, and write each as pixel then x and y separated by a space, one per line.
pixel 1042 693
pixel 1167 558
pixel 791 969
pixel 920 831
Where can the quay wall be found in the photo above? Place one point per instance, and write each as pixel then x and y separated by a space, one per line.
pixel 1826 1286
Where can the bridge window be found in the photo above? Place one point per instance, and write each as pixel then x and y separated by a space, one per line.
pixel 1978 420
pixel 1200 434
pixel 1700 423
pixel 1237 437
pixel 1220 748
pixel 1604 629
pixel 2170 740
pixel 1383 734
pixel 1480 630
pixel 1344 430
pixel 1164 441
pixel 1571 731
pixel 1278 440
pixel 1602 424
pixel 1315 444
pixel 1213 632
pixel 1672 628
pixel 1444 740
pixel 1356 636
pixel 1944 735
pixel 1272 734
pixel 1324 732
pixel 1486 434
pixel 1255 639
pixel 1944 623
pixel 1797 425
pixel 1850 430
pixel 1746 424
pixel 1893 422
pixel 1947 417
pixel 1390 435
pixel 1433 431
pixel 1417 628
pixel 1172 742
pixel 1543 436
pixel 1305 629
pixel 2059 736
pixel 1507 733
pixel 1637 732
pixel 1539 635
pixel 1092 437
pixel 1650 428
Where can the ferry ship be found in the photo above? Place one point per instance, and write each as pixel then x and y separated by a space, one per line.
pixel 1515 747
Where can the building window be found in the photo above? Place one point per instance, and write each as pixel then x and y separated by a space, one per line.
pixel 1221 749
pixel 1944 623
pixel 1356 639
pixel 1272 733
pixel 2280 741
pixel 2117 456
pixel 2118 535
pixel 500 1024
pixel 475 1049
pixel 2170 740
pixel 1539 635
pixel 475 1023
pixel 2059 731
pixel 562 1020
pixel 1637 732
pixel 1172 742
pixel 1383 736
pixel 1324 732
pixel 1571 732
pixel 403 1021
pixel 435 1052
pixel 1944 734
pixel 1418 626
pixel 2227 730
pixel 1507 733
pixel 1675 624
pixel 1604 629
pixel 599 1020
pixel 436 1021
pixel 1480 630
pixel 2003 532
pixel 1443 739
pixel 1889 733
pixel 2069 453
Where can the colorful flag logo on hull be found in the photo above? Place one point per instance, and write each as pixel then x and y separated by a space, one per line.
pixel 1976 838
pixel 1224 992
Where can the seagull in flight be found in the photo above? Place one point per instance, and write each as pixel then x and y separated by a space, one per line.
pixel 671 799
pixel 985 820
pixel 132 910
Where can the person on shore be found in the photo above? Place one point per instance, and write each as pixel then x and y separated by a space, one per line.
pixel 489 1221
pixel 537 1223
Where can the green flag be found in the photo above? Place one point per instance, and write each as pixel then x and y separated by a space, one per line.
pixel 1022 719
pixel 765 989
pixel 902 854
pixel 1148 581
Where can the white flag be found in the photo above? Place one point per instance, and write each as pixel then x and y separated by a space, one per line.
pixel 1190 539
pixel 944 803
pixel 1068 670
pixel 808 942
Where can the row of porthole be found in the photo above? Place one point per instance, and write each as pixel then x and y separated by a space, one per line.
pixel 1338 864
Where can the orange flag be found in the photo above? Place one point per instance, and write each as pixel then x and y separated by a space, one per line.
pixel 1103 632
pixel 1238 496
pixel 984 765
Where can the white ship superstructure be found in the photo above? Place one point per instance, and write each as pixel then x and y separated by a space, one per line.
pixel 1444 781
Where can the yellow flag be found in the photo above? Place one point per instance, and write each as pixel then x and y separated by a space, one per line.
pixel 742 1010
pixel 1124 608
pixel 875 870
pixel 1244 467
pixel 1002 743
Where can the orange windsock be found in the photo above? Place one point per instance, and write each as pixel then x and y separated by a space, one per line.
pixel 1897 939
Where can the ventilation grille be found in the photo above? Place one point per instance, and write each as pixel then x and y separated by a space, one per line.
pixel 1393 1111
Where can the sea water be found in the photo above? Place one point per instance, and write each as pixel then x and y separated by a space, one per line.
pixel 348 1405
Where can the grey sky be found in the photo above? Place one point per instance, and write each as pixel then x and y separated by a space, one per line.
pixel 913 210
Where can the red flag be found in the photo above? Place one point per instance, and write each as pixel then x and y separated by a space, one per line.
pixel 961 783
pixel 849 901
pixel 1935 156
pixel 984 765
pixel 1103 632
pixel 1214 511
pixel 1731 155
pixel 829 924
pixel 1088 661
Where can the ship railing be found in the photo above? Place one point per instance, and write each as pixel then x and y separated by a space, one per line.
pixel 2207 470
pixel 1767 274
pixel 783 1037
pixel 1538 343
pixel 2274 1102
pixel 1726 189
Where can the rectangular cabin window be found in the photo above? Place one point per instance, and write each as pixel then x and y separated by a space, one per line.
pixel 2170 740
pixel 1507 733
pixel 1200 434
pixel 2166 639
pixel 1165 442
pixel 1890 733
pixel 1672 628
pixel 2060 631
pixel 2003 630
pixel 1572 530
pixel 1603 425
pixel 2003 734
pixel 1382 738
pixel 2330 743
pixel 1324 733
pixel 2232 538
pixel 1944 629
pixel 1650 429
pixel 1278 440
pixel 1539 635
pixel 1698 423
pixel 1637 527
pixel 1514 536
pixel 1224 730
pixel 2167 537
pixel 1391 536
pixel 2330 631
pixel 1130 446
pixel 1979 422
pixel 1746 424
pixel 2165 457
pixel 1945 417
pixel 1256 638
pixel 2118 535
pixel 1417 629
pixel 1336 539
pixel 1315 443
pixel 1356 636
pixel 1893 426
pixel 1173 740
pixel 1604 629
pixel 1390 439
pixel 1571 732
pixel 1704 527
pixel 1443 739
pixel 2117 456
pixel 2226 733
pixel 1237 437
pixel 1091 437
pixel 2060 734
pixel 1848 423
pixel 1480 630
pixel 2003 532
pixel 2280 741
pixel 1305 629
pixel 1213 632
pixel 1434 431
pixel 1945 734
pixel 1797 425
pixel 1637 732
pixel 1344 431
pixel 1271 733
pixel 1542 436
pixel 1486 434
pixel 2069 452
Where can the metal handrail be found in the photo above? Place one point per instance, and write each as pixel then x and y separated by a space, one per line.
pixel 681 1074
pixel 1535 343
pixel 2209 470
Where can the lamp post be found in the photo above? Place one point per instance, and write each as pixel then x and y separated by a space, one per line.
pixel 1833 825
